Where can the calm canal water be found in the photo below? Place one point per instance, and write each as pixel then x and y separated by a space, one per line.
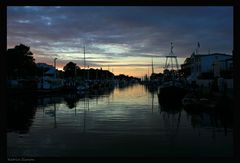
pixel 115 122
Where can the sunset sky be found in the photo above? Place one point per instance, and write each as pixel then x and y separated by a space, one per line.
pixel 122 37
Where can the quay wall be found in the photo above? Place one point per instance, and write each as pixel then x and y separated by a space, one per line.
pixel 205 83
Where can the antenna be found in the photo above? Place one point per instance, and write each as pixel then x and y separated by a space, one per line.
pixel 171 56
pixel 198 46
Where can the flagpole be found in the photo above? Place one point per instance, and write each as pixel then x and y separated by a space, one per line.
pixel 198 46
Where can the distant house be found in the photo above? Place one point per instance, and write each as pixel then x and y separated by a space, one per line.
pixel 229 63
pixel 186 67
pixel 48 78
pixel 206 66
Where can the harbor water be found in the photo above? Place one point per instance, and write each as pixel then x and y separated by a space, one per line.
pixel 127 121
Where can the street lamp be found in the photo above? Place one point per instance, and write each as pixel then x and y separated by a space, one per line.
pixel 55 67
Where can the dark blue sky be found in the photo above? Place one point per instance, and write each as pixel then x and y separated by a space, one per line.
pixel 119 36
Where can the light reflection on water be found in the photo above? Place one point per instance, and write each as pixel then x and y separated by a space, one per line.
pixel 118 122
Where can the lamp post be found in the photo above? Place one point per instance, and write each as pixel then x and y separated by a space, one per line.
pixel 55 67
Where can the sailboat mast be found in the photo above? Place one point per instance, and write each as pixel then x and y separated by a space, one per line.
pixel 84 57
pixel 171 54
pixel 152 67
pixel 148 71
pixel 173 58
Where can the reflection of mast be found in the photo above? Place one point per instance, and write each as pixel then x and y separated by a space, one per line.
pixel 75 110
pixel 159 109
pixel 55 121
pixel 86 104
pixel 108 97
pixel 179 118
pixel 84 119
pixel 96 99
pixel 214 124
pixel 167 123
pixel 84 115
pixel 43 111
pixel 147 95
pixel 112 95
pixel 152 100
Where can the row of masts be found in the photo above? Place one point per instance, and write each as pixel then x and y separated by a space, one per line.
pixel 170 60
pixel 84 60
pixel 169 63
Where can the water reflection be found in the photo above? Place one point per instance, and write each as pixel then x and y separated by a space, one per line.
pixel 22 109
pixel 71 100
pixel 125 121
pixel 220 116
pixel 20 113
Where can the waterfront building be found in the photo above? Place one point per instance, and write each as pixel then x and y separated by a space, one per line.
pixel 205 68
pixel 48 80
pixel 203 65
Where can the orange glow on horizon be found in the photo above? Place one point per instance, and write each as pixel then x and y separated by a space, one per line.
pixel 128 70
pixel 135 71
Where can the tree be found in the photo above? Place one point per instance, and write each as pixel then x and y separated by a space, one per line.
pixel 70 70
pixel 20 62
pixel 155 76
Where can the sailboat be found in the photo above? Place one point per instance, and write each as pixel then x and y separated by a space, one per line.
pixel 172 89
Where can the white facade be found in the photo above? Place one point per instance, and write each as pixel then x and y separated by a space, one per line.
pixel 49 79
pixel 208 63
pixel 50 83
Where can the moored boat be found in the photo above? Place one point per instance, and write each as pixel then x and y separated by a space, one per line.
pixel 172 90
pixel 193 102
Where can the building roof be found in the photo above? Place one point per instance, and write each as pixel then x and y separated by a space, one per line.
pixel 51 71
pixel 206 55
pixel 187 60
pixel 44 65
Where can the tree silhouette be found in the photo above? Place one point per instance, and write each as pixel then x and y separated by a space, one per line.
pixel 20 62
pixel 70 70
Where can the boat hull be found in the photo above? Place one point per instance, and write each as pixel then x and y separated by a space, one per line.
pixel 171 95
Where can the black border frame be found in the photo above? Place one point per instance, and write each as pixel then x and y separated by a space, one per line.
pixel 236 58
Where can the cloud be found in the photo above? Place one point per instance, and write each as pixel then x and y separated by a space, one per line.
pixel 120 31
